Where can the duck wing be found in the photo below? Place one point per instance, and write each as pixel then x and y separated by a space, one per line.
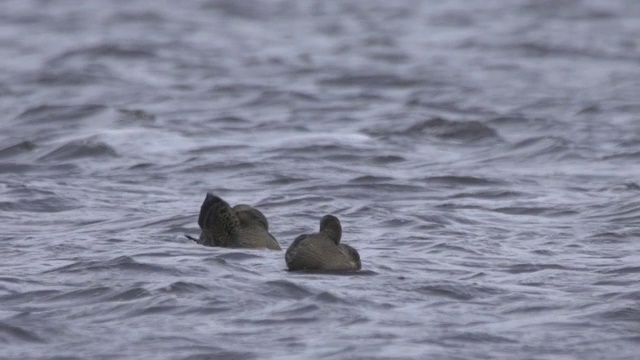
pixel 220 225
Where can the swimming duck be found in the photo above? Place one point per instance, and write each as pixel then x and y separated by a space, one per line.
pixel 322 251
pixel 242 226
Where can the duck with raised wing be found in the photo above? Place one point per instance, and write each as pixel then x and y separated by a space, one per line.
pixel 242 226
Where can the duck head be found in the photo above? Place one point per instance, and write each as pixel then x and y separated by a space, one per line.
pixel 331 228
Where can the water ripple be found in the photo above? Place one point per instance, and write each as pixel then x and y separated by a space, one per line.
pixel 481 157
pixel 121 263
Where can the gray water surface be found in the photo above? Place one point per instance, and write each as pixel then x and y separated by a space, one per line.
pixel 484 158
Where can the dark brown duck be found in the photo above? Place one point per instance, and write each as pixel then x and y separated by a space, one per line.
pixel 242 226
pixel 322 250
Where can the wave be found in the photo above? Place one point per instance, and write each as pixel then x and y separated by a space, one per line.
pixel 11 333
pixel 17 149
pixel 370 81
pixel 79 149
pixel 121 263
pixel 441 128
pixel 60 113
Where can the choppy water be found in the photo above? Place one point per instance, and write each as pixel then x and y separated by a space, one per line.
pixel 484 158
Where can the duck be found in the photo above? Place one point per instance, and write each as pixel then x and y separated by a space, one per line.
pixel 322 250
pixel 241 226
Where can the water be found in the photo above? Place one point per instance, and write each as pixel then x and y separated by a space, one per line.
pixel 482 156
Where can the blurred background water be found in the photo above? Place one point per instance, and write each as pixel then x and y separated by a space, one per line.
pixel 483 158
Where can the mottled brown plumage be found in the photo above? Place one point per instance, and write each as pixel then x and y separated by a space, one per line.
pixel 239 227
